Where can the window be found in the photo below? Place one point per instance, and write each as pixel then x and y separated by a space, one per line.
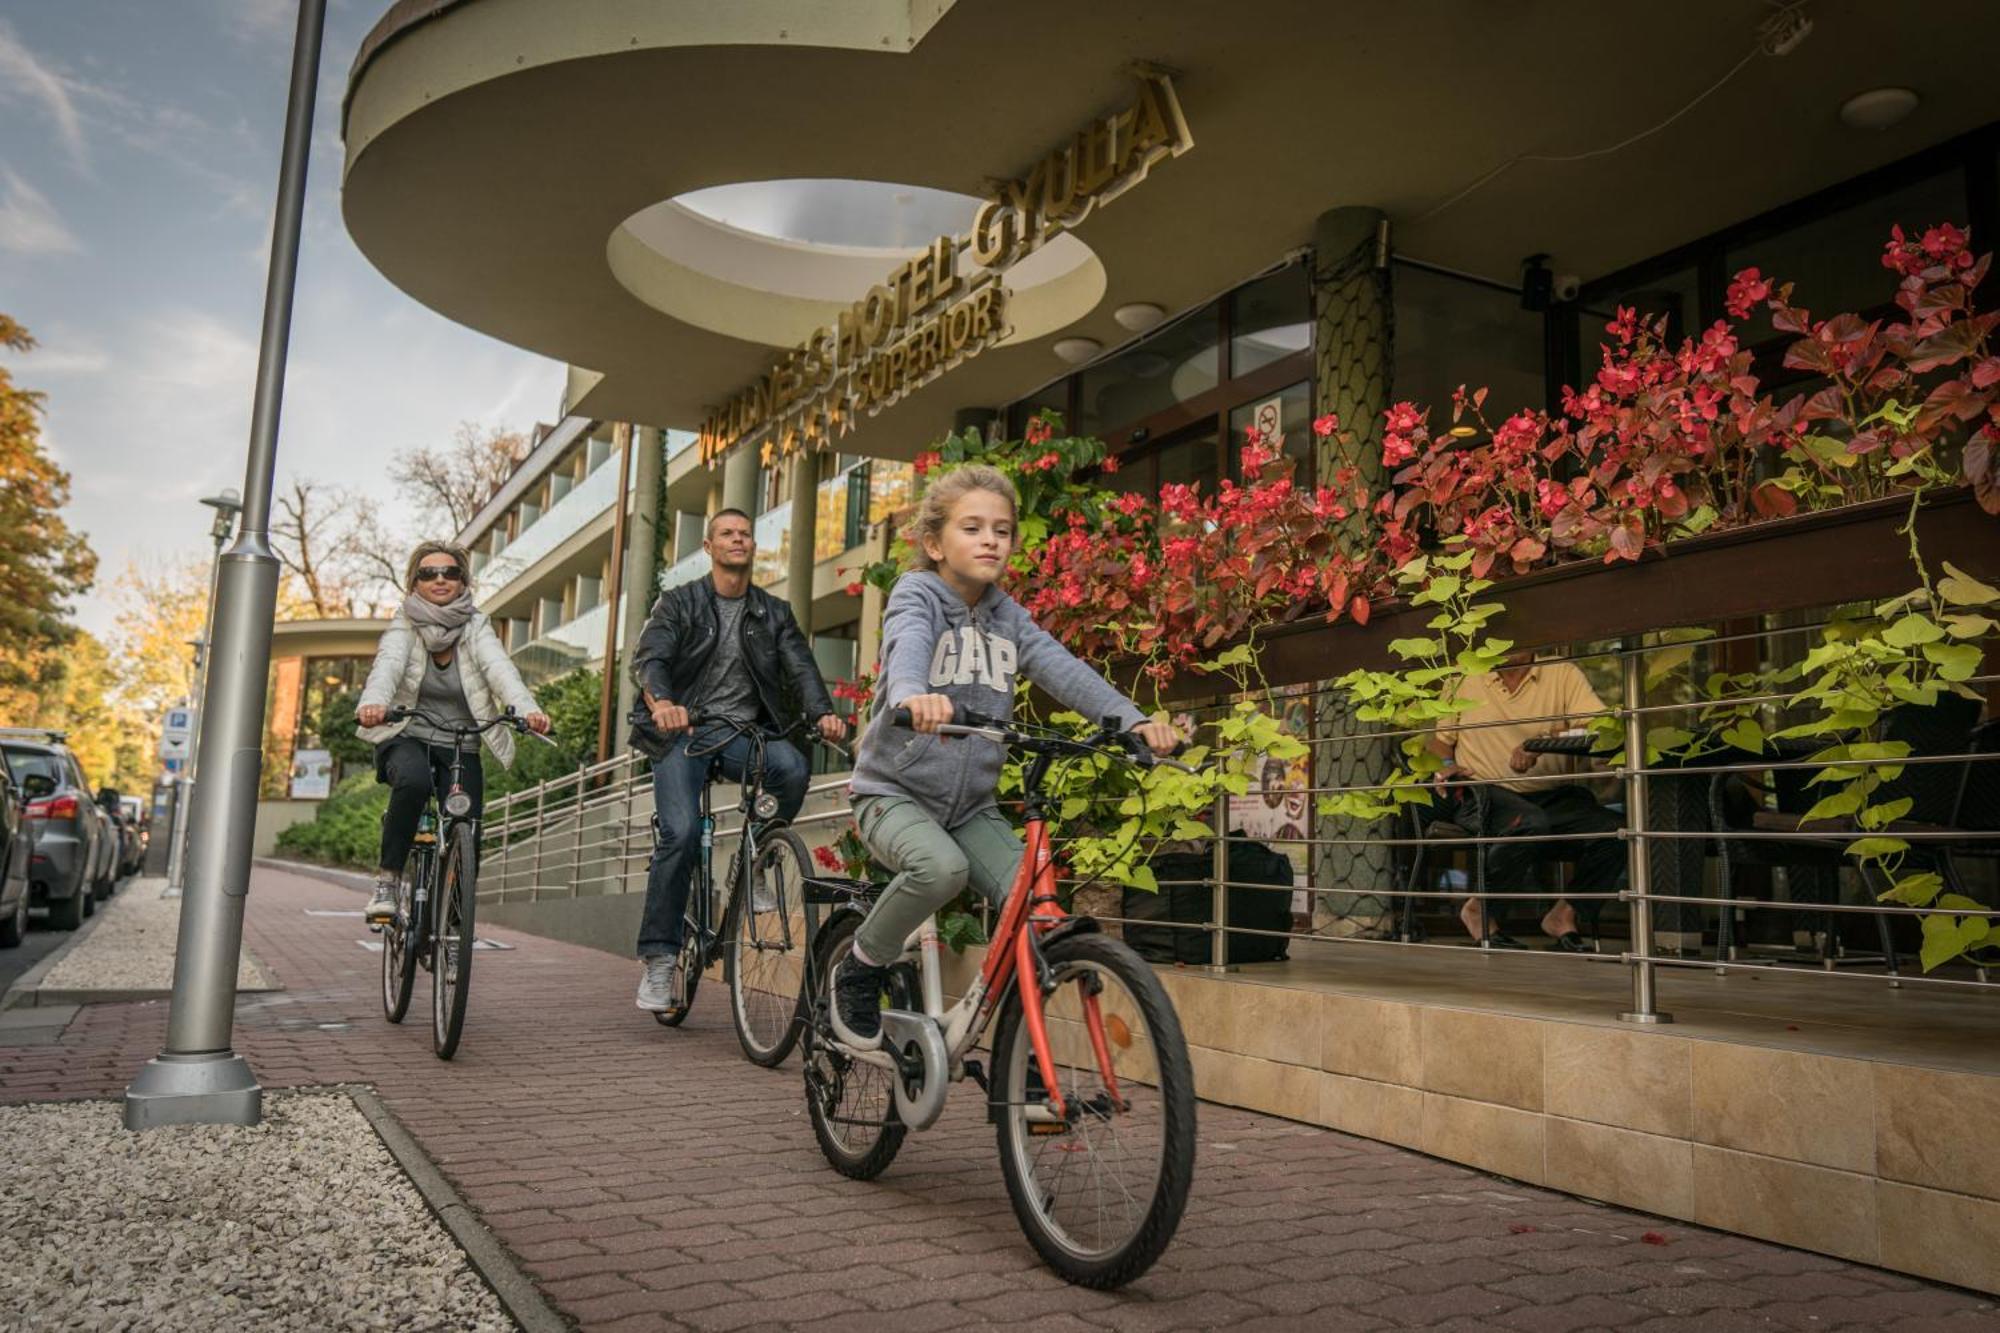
pixel 1834 261
pixel 1676 295
pixel 1054 397
pixel 1452 331
pixel 1269 320
pixel 28 763
pixel 1172 367
pixel 1288 414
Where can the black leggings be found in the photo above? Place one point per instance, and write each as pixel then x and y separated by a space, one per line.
pixel 412 770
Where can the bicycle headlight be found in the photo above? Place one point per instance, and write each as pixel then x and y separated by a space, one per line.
pixel 766 805
pixel 458 805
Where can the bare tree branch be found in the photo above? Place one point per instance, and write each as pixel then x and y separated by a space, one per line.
pixel 451 483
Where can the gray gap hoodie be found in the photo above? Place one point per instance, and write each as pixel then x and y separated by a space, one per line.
pixel 933 643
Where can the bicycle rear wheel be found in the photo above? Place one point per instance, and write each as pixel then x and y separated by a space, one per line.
pixel 849 1101
pixel 1100 1190
pixel 451 943
pixel 765 962
pixel 399 938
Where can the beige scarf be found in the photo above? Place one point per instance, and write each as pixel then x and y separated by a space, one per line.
pixel 439 626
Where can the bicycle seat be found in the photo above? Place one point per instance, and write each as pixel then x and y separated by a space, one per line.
pixel 834 889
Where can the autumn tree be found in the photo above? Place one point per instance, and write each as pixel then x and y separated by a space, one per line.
pixel 449 484
pixel 43 563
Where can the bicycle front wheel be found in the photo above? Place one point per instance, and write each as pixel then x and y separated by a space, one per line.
pixel 451 942
pixel 399 939
pixel 1099 1189
pixel 765 962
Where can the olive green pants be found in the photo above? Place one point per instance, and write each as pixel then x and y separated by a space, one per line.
pixel 932 864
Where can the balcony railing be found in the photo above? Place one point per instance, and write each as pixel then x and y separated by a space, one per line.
pixel 557 524
pixel 684 570
pixel 568 646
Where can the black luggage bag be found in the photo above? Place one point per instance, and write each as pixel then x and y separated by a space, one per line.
pixel 1258 909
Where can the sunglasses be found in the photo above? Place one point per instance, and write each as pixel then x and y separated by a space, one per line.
pixel 432 573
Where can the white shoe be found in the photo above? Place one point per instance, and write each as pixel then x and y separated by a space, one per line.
pixel 381 907
pixel 660 988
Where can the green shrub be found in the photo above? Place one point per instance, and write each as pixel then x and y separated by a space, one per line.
pixel 348 829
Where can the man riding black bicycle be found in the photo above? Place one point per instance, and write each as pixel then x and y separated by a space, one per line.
pixel 730 653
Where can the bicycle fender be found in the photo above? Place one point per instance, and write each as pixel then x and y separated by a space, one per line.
pixel 900 1031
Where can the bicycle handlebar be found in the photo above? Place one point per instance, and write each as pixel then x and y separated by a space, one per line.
pixel 1110 739
pixel 508 718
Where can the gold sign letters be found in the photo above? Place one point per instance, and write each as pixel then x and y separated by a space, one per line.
pixel 927 316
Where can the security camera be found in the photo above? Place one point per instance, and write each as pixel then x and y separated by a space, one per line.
pixel 1567 286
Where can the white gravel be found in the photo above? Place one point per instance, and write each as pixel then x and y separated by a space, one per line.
pixel 132 947
pixel 304 1222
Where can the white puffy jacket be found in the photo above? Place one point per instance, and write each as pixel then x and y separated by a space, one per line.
pixel 484 669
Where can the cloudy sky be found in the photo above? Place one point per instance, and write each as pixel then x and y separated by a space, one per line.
pixel 138 170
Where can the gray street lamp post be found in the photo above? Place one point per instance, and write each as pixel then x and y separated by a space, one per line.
pixel 198 1078
pixel 227 505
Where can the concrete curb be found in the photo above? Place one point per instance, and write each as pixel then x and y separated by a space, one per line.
pixel 23 994
pixel 488 1257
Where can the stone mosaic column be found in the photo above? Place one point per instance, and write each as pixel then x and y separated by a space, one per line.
pixel 1354 359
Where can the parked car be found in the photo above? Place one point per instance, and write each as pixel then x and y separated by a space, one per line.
pixel 75 861
pixel 136 819
pixel 124 834
pixel 16 850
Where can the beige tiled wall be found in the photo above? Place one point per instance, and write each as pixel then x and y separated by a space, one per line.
pixel 1863 1159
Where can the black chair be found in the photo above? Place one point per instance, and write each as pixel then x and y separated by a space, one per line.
pixel 1428 823
pixel 1819 850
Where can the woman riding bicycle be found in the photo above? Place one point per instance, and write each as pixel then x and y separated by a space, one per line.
pixel 439 656
pixel 952 642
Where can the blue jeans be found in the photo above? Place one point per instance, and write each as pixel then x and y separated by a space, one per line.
pixel 677 782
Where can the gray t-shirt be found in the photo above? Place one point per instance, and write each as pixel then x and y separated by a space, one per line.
pixel 442 695
pixel 725 689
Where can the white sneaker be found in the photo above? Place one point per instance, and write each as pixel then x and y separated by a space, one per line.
pixel 660 988
pixel 381 906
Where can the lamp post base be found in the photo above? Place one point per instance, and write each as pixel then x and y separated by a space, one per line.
pixel 213 1089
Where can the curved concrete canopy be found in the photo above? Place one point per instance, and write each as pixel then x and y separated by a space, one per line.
pixel 776 291
pixel 496 148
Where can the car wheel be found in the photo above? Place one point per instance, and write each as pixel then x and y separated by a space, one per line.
pixel 87 895
pixel 66 913
pixel 15 928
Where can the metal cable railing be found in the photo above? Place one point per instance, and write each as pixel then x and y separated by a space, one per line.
pixel 1685 863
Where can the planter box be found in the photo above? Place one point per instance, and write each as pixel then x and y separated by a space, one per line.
pixel 1853 553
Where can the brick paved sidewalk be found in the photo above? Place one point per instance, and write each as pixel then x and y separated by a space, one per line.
pixel 651 1178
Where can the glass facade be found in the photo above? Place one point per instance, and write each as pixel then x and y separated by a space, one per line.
pixel 1180 362
pixel 1452 331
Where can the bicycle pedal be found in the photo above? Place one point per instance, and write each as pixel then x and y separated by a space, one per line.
pixel 976 1071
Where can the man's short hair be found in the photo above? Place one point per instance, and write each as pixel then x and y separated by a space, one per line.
pixel 721 514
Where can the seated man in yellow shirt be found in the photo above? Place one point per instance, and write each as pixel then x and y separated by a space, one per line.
pixel 1522 700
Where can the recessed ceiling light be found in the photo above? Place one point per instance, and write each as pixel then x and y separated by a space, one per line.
pixel 1076 351
pixel 1139 316
pixel 1878 108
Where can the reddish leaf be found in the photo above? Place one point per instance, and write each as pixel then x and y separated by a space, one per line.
pixel 1979 470
pixel 1986 373
pixel 1358 608
pixel 1773 501
pixel 1953 398
pixel 1653 1238
pixel 1521 1228
pixel 1945 347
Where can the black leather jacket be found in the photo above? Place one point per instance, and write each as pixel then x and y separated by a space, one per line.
pixel 679 638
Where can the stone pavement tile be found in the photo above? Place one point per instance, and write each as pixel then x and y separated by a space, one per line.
pixel 801 1311
pixel 569 1119
pixel 1433 1307
pixel 1333 1320
pixel 934 1315
pixel 569 1289
pixel 1557 1288
pixel 1422 1277
pixel 1693 1298
pixel 1584 1312
pixel 1210 1310
pixel 1299 1298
